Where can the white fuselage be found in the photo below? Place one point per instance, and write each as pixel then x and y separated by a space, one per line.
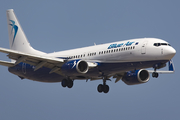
pixel 142 49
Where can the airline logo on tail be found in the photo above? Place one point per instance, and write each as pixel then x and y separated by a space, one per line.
pixel 15 27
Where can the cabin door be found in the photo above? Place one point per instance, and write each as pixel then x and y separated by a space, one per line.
pixel 143 48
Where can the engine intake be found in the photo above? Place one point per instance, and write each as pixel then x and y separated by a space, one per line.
pixel 75 67
pixel 136 77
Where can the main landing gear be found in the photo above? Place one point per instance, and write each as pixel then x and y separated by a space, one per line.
pixel 103 87
pixel 67 83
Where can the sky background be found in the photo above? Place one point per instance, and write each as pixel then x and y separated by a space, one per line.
pixel 66 24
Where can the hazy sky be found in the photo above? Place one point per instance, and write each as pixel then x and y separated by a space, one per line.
pixel 64 24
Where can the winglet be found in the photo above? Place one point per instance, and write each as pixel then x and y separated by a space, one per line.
pixel 171 66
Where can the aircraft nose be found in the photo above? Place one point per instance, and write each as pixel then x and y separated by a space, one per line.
pixel 170 52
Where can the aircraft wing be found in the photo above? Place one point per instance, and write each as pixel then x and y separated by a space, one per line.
pixel 119 76
pixel 6 63
pixel 171 69
pixel 37 60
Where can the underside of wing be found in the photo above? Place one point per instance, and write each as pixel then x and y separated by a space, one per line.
pixel 171 69
pixel 6 63
pixel 36 60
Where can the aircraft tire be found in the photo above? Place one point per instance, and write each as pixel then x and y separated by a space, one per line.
pixel 100 88
pixel 64 83
pixel 106 89
pixel 155 74
pixel 70 84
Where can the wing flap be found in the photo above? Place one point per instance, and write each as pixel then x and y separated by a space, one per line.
pixel 36 60
pixel 6 63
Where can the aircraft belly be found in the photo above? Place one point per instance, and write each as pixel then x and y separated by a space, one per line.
pixel 103 69
pixel 109 68
pixel 41 75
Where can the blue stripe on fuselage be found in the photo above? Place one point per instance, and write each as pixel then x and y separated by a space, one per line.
pixel 42 74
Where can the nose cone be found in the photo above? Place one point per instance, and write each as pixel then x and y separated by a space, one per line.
pixel 170 52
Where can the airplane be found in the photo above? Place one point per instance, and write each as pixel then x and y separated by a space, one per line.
pixel 126 60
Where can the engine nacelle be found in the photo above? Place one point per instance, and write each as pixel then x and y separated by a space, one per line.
pixel 136 77
pixel 75 67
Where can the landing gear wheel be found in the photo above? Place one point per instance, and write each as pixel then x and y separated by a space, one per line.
pixel 103 88
pixel 70 84
pixel 100 88
pixel 155 74
pixel 106 89
pixel 67 83
pixel 64 83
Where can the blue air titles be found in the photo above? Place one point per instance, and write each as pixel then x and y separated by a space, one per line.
pixel 120 45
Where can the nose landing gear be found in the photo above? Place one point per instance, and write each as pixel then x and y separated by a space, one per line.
pixel 155 74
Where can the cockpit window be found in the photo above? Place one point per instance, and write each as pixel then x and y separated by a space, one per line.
pixel 164 44
pixel 159 44
pixel 156 44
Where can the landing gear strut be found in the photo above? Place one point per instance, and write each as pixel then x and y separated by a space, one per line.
pixel 67 83
pixel 103 87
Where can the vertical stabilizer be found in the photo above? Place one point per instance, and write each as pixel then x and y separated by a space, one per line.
pixel 17 38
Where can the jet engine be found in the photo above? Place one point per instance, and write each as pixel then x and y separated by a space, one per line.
pixel 136 77
pixel 75 67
